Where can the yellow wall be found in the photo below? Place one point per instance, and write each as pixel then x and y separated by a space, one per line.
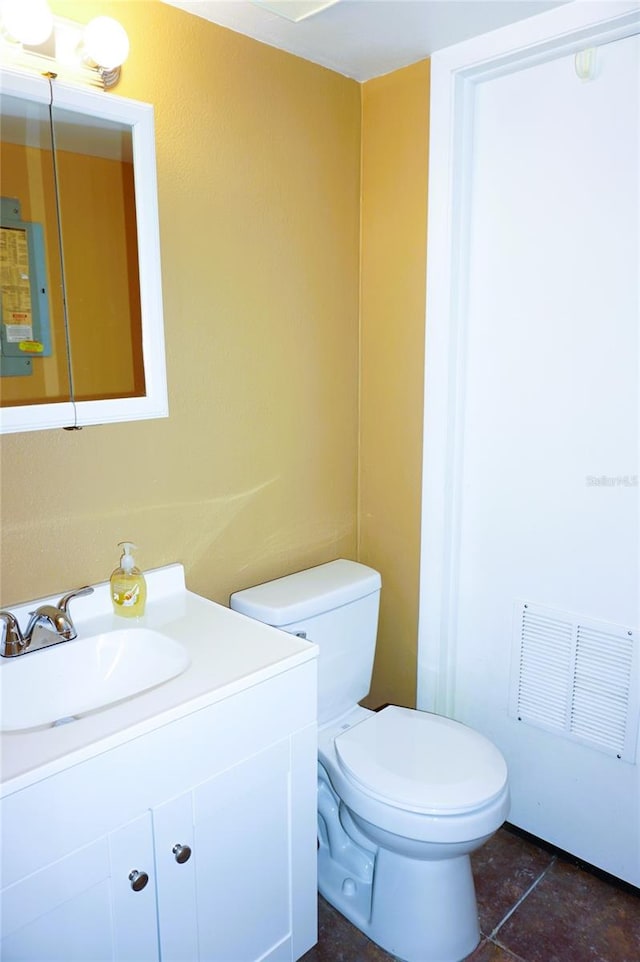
pixel 395 112
pixel 254 472
pixel 293 232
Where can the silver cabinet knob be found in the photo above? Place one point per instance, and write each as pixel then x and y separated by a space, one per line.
pixel 138 880
pixel 182 853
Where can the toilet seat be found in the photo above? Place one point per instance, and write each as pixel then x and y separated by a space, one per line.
pixel 421 762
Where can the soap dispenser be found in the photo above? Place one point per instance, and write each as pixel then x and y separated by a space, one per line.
pixel 128 587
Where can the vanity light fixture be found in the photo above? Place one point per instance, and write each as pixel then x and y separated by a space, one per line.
pixel 105 46
pixel 26 21
pixel 31 38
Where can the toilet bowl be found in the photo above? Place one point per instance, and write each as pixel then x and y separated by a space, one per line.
pixel 383 817
pixel 404 796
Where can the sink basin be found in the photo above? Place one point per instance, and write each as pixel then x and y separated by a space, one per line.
pixel 75 677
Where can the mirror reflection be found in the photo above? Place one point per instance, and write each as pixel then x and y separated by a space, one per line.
pixel 33 341
pixel 93 350
pixel 98 227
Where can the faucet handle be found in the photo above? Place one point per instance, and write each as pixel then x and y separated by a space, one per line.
pixel 63 604
pixel 57 617
pixel 11 639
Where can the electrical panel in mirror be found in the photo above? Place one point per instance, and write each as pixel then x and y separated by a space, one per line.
pixel 81 327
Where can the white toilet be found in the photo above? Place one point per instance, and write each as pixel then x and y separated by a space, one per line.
pixel 404 796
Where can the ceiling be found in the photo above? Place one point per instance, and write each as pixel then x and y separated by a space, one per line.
pixel 367 38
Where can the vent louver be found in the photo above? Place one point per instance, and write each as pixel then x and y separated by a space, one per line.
pixel 576 677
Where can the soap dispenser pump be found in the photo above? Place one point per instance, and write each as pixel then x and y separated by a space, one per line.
pixel 128 587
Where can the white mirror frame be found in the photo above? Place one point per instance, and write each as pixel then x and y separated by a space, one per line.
pixel 139 116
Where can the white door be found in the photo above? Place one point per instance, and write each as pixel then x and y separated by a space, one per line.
pixel 536 590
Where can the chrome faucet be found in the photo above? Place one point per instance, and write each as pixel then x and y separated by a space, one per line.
pixel 48 625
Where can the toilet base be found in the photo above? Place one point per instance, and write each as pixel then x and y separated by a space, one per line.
pixel 421 911
pixel 418 909
pixel 402 878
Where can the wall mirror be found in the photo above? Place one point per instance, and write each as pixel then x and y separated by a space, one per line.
pixel 81 327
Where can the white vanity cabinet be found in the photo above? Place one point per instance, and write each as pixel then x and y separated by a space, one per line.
pixel 217 808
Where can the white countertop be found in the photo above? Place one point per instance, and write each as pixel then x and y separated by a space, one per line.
pixel 228 653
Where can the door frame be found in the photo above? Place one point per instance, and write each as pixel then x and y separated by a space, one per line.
pixel 455 73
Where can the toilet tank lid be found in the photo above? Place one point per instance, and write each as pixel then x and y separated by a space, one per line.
pixel 307 593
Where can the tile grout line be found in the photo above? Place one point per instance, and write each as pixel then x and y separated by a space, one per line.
pixel 525 895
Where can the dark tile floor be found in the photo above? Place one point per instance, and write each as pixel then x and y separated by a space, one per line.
pixel 534 906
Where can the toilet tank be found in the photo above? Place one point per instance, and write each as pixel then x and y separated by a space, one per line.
pixel 336 606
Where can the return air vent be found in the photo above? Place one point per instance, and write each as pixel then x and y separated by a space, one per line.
pixel 576 677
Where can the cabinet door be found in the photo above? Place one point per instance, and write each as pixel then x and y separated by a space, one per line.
pixel 242 843
pixel 176 882
pixel 83 907
pixel 133 892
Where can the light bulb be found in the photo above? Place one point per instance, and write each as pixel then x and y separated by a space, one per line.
pixel 106 42
pixel 28 21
